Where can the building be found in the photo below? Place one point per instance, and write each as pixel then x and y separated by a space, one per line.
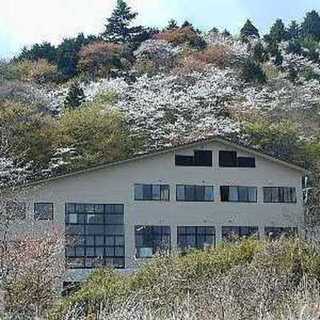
pixel 194 195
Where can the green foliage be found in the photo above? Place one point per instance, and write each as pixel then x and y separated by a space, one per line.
pixel 294 47
pixel 165 279
pixel 311 25
pixel 259 54
pixel 294 31
pixel 43 50
pixel 250 71
pixel 118 29
pixel 172 25
pixel 75 96
pixel 249 30
pixel 278 31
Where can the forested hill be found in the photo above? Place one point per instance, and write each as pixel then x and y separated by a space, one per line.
pixel 132 89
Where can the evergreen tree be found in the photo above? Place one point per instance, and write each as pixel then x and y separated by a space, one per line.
pixel 294 47
pixel 118 28
pixel 294 30
pixel 249 30
pixel 278 59
pixel 278 31
pixel 43 50
pixel 75 96
pixel 172 25
pixel 259 54
pixel 311 25
pixel 226 33
pixel 187 24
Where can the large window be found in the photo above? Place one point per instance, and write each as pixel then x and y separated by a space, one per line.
pixel 279 195
pixel 43 211
pixel 277 232
pixel 95 235
pixel 201 158
pixel 155 192
pixel 151 240
pixel 231 233
pixel 229 159
pixel 195 237
pixel 238 194
pixel 194 193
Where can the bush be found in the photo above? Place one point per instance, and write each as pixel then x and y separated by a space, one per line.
pixel 182 36
pixel 218 55
pixel 250 71
pixel 98 58
pixel 40 71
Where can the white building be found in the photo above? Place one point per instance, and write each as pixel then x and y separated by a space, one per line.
pixel 194 195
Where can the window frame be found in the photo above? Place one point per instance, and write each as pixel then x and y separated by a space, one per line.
pixel 284 231
pixel 280 189
pixel 238 193
pixel 163 188
pixel 165 231
pixel 194 192
pixel 193 161
pixel 51 204
pixel 240 235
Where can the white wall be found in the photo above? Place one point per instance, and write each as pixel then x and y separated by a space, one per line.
pixel 115 185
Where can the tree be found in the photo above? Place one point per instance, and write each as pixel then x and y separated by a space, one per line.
pixel 278 31
pixel 311 25
pixel 44 50
pixel 252 72
pixel 259 54
pixel 294 30
pixel 248 31
pixel 75 96
pixel 172 25
pixel 187 24
pixel 98 58
pixel 118 28
pixel 226 33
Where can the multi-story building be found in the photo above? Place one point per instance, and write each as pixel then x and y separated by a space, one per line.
pixel 191 196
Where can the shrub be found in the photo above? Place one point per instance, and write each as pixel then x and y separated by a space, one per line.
pixel 98 58
pixel 181 36
pixel 40 71
pixel 250 71
pixel 218 55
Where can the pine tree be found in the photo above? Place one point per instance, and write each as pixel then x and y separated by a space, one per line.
pixel 278 31
pixel 249 30
pixel 75 96
pixel 187 24
pixel 311 25
pixel 259 54
pixel 294 30
pixel 172 25
pixel 118 28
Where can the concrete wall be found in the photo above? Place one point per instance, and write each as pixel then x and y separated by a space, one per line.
pixel 116 185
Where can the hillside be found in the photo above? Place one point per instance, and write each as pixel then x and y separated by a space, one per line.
pixel 133 89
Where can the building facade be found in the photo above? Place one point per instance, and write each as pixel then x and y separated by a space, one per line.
pixel 192 196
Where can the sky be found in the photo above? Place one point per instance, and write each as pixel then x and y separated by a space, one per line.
pixel 23 22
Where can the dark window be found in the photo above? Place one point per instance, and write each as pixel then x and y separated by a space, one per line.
pixel 277 232
pixel 94 235
pixel 228 159
pixel 151 240
pixel 246 162
pixel 184 161
pixel 234 232
pixel 16 210
pixel 201 158
pixel 194 193
pixel 154 192
pixel 195 237
pixel 238 194
pixel 279 195
pixel 43 211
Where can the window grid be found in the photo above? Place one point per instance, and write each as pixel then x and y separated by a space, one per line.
pixel 230 233
pixel 151 192
pixel 94 235
pixel 43 211
pixel 279 195
pixel 239 194
pixel 198 236
pixel 194 193
pixel 157 238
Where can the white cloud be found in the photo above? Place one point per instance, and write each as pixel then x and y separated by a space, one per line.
pixel 27 21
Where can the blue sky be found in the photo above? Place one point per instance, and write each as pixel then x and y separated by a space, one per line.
pixel 23 22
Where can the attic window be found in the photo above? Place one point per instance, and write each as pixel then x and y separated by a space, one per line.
pixel 201 158
pixel 229 159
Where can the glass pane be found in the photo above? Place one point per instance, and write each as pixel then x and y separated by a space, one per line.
pixel 147 192
pixel 114 219
pixel 99 252
pixel 165 193
pixel 199 193
pixel 94 229
pixel 180 193
pixel 252 194
pixel 233 194
pixel 109 241
pixel 209 193
pixel 243 194
pixel 95 218
pixel 90 252
pixel 189 193
pixel 99 241
pixel 90 240
pixel 156 192
pixel 73 218
pixel 138 192
pixel 119 251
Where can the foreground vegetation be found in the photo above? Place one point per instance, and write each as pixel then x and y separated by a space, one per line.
pixel 248 280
